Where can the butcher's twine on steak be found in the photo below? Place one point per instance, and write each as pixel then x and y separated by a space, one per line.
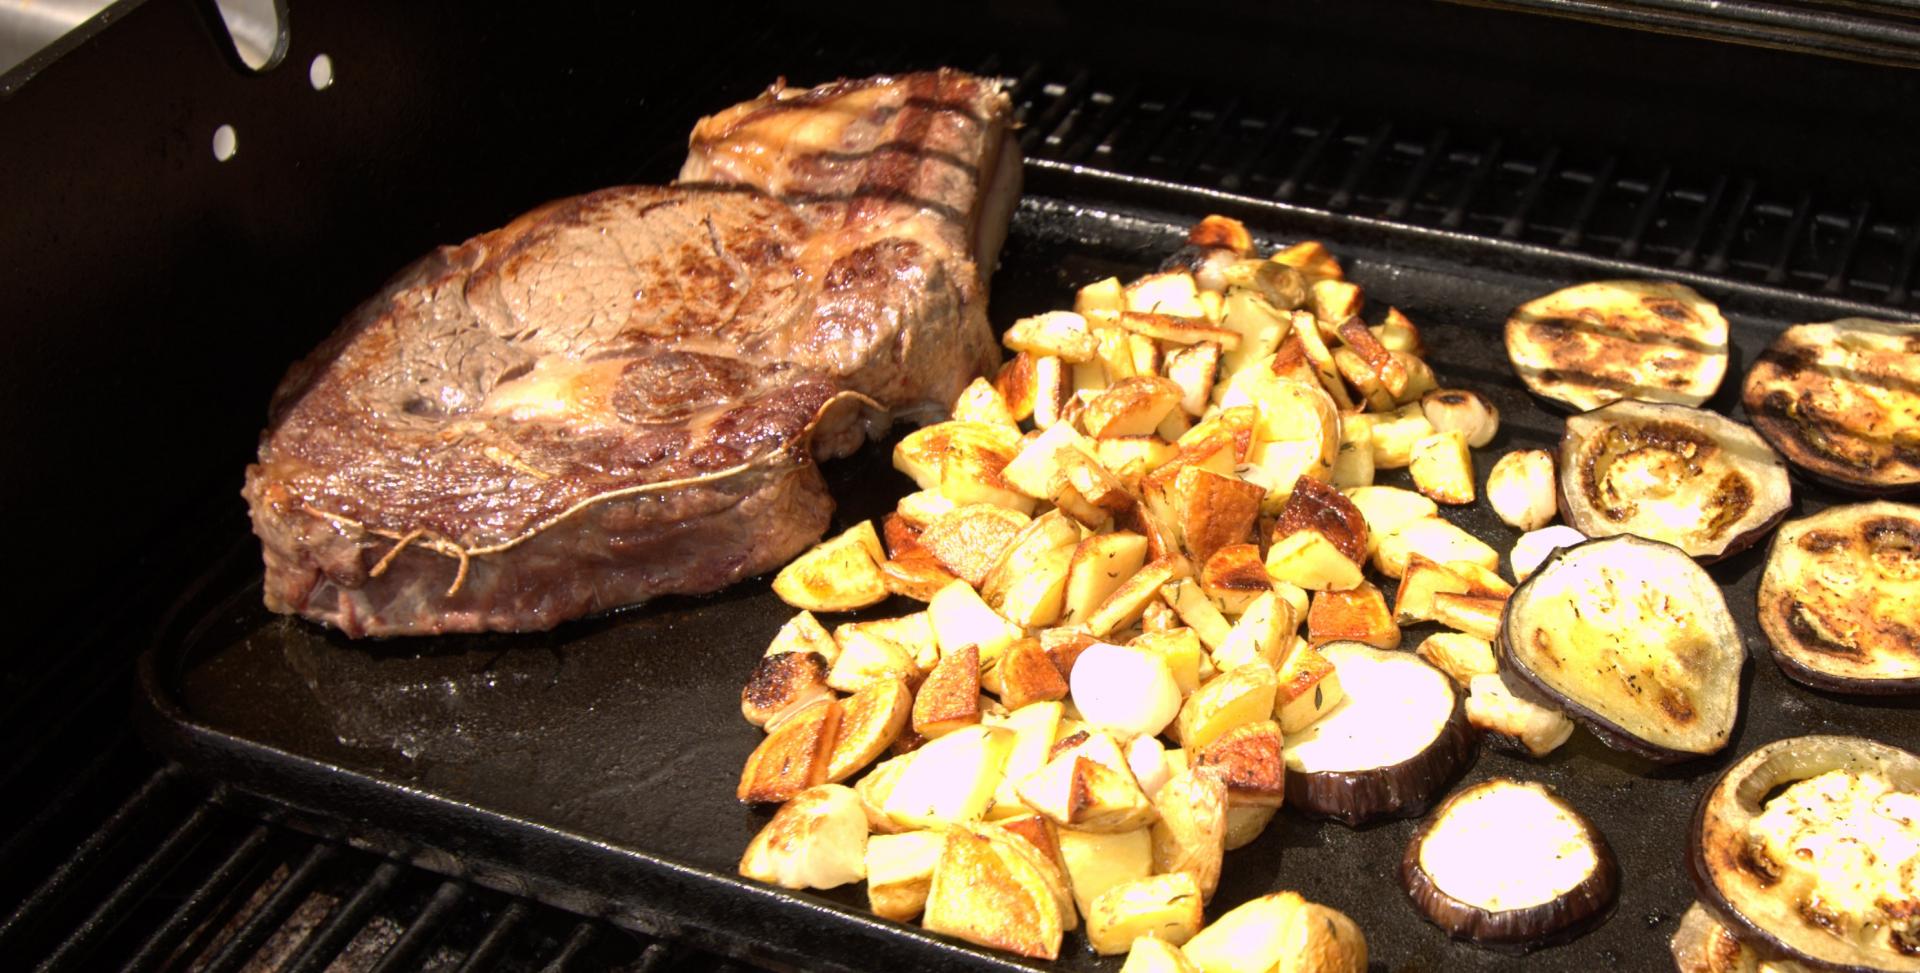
pixel 623 394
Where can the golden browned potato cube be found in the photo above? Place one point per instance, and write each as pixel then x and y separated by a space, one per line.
pixel 1359 615
pixel 1248 760
pixel 986 891
pixel 817 840
pixel 1167 906
pixel 1231 699
pixel 793 757
pixel 870 720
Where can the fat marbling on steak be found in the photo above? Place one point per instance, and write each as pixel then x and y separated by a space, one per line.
pixel 623 394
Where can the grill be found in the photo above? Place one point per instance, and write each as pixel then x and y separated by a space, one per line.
pixel 122 859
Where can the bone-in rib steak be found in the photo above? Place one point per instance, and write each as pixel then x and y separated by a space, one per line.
pixel 623 394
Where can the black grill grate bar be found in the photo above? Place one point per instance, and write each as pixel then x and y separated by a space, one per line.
pixel 1363 164
pixel 585 932
pixel 1589 204
pixel 423 929
pixel 345 922
pixel 1100 128
pixel 56 805
pixel 1643 218
pixel 1516 221
pixel 1237 179
pixel 1184 167
pixel 1144 147
pixel 1790 242
pixel 1690 254
pixel 1422 168
pixel 83 859
pixel 274 911
pixel 1717 261
pixel 203 900
pixel 1456 215
pixel 1849 248
pixel 1290 186
pixel 653 959
pixel 495 941
pixel 1072 99
pixel 113 908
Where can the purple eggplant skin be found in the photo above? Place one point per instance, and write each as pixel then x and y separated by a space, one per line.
pixel 1515 931
pixel 1404 790
pixel 1716 854
pixel 1523 682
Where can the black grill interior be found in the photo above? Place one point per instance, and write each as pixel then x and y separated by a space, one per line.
pixel 112 860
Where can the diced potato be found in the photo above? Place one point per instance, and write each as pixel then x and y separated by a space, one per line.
pixel 1062 334
pixel 1438 540
pixel 891 648
pixel 1132 457
pixel 1130 407
pixel 981 402
pixel 1309 688
pixel 1249 938
pixel 1311 258
pixel 1213 510
pixel 1233 698
pixel 1101 295
pixel 1307 330
pixel 1125 603
pixel 1442 468
pixel 1017 382
pixel 1168 292
pixel 950 780
pixel 1246 823
pixel 1358 615
pixel 1038 596
pixel 1190 835
pixel 782 684
pixel 960 618
pixel 1364 378
pixel 1247 758
pixel 900 872
pixel 1386 509
pixel 1035 727
pixel 1309 560
pixel 1201 615
pixel 1476 615
pixel 923 507
pixel 1460 656
pixel 916 574
pixel 1053 384
pixel 1399 334
pixel 1322 940
pixel 986 890
pixel 1513 721
pixel 949 697
pixel 1146 355
pixel 1049 531
pixel 1386 370
pixel 1114 354
pixel 1262 330
pixel 1420 379
pixel 1396 433
pixel 1036 838
pixel 1098 862
pixel 1234 576
pixel 804 633
pixel 1261 634
pixel 1422 579
pixel 1353 464
pixel 964 461
pixel 1159 616
pixel 1222 233
pixel 870 721
pixel 793 757
pixel 1177 329
pixel 1101 563
pixel 1194 369
pixel 1076 791
pixel 1151 954
pixel 1180 647
pixel 841 574
pixel 1334 301
pixel 817 840
pixel 1168 906
pixel 1026 675
pixel 969 540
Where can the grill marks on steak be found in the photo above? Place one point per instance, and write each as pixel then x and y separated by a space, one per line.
pixel 622 394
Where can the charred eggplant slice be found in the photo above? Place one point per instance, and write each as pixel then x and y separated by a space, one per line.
pixel 1686 476
pixel 1838 595
pixel 1387 749
pixel 1509 865
pixel 1631 638
pixel 1703 945
pixel 1809 847
pixel 1609 340
pixel 1841 401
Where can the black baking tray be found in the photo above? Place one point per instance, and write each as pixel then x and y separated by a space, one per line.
pixel 594 766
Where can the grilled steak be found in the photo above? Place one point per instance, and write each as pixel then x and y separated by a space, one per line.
pixel 623 394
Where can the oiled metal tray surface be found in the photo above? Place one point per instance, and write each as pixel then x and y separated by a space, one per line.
pixel 595 765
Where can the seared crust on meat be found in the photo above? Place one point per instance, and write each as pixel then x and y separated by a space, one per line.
pixel 1608 340
pixel 1837 597
pixel 1841 401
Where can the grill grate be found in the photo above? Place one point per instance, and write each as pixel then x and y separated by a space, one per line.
pixel 173 878
pixel 1604 203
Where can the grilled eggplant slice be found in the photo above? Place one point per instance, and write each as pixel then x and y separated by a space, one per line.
pixel 1841 401
pixel 1633 640
pixel 1597 343
pixel 1508 865
pixel 1809 847
pixel 1703 945
pixel 1837 599
pixel 1385 751
pixel 1692 478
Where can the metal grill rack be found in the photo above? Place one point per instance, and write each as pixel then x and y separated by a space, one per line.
pixel 121 862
